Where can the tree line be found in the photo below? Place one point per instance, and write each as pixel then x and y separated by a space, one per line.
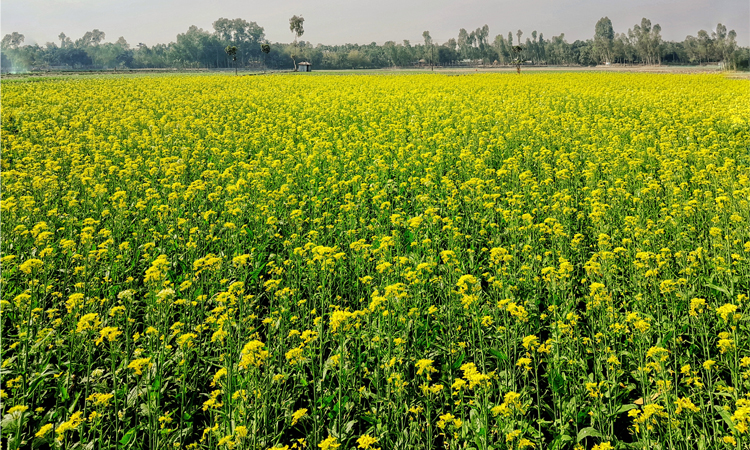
pixel 199 48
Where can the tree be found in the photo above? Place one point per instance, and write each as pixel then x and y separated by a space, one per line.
pixel 501 48
pixel 481 36
pixel 446 54
pixel 246 36
pixel 470 42
pixel 517 49
pixel 559 50
pixel 232 51
pixel 705 45
pixel 64 40
pixel 604 37
pixel 391 52
pixel 207 48
pixel 619 49
pixel 195 48
pixel 429 47
pixel 731 47
pixel 122 43
pixel 265 49
pixel 93 37
pixel 724 45
pixel 296 27
pixel 75 57
pixel 583 53
pixel 647 40
pixel 463 43
pixel 542 48
pixel 12 41
pixel 534 47
pixel 656 43
pixel 357 59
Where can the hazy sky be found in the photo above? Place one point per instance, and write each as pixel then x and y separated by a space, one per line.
pixel 364 21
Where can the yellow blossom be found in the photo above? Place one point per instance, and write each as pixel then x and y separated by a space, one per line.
pixel 300 413
pixel 366 441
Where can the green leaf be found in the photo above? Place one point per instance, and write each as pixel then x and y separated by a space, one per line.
pixel 74 402
pixel 156 384
pixel 624 408
pixel 498 354
pixel 256 273
pixel 717 288
pixel 725 415
pixel 127 437
pixel 326 401
pixel 557 383
pixel 560 442
pixel 588 432
pixel 460 361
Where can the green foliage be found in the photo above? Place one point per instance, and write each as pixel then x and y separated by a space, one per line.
pixel 198 48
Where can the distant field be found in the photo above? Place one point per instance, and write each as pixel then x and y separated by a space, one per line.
pixel 393 261
pixel 704 69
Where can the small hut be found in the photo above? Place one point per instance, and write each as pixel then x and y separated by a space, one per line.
pixel 304 66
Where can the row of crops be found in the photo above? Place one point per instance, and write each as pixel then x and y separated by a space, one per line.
pixel 490 261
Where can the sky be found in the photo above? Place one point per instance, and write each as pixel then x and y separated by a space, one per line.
pixel 363 21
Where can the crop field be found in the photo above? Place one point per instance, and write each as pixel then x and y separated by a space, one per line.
pixel 499 261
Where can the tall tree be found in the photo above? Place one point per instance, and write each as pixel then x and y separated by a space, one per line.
pixel 481 36
pixel 93 37
pixel 534 50
pixel 501 47
pixel 656 43
pixel 517 60
pixel 691 48
pixel 246 36
pixel 731 46
pixel 391 52
pixel 463 43
pixel 429 48
pixel 705 45
pixel 12 41
pixel 197 48
pixel 647 40
pixel 559 50
pixel 724 45
pixel 719 36
pixel 296 27
pixel 542 48
pixel 604 37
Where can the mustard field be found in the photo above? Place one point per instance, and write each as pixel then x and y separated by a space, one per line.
pixel 500 261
